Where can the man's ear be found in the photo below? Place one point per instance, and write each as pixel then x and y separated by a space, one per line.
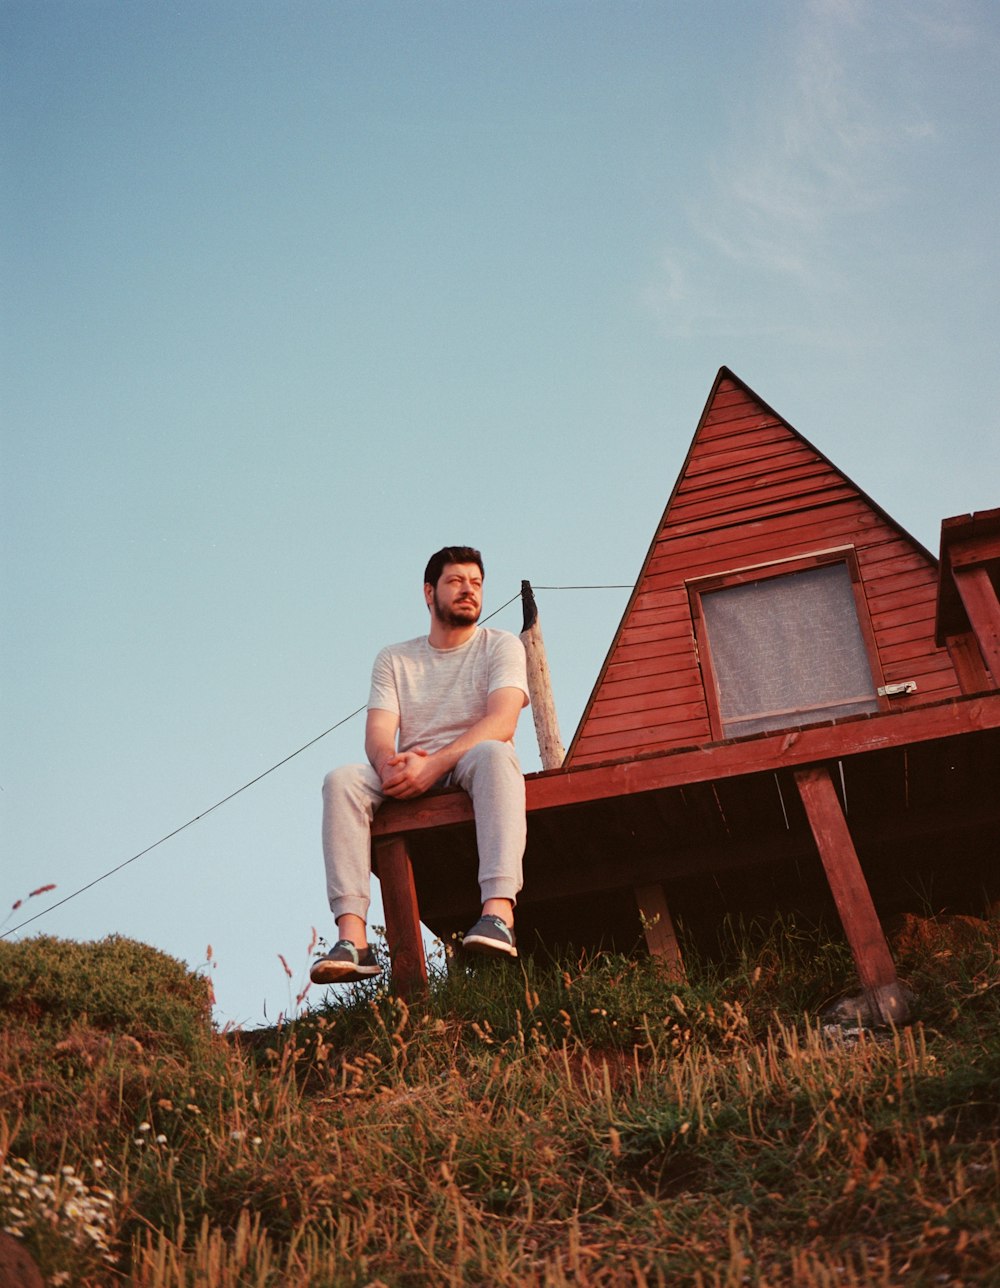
pixel 428 594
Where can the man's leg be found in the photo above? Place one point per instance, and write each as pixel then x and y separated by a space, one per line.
pixel 492 776
pixel 351 795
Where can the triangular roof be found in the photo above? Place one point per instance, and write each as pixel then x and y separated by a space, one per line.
pixel 752 490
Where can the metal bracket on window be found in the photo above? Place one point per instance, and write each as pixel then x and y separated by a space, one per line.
pixel 900 690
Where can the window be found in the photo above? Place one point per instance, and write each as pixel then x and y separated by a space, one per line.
pixel 785 645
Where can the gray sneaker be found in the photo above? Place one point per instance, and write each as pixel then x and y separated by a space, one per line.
pixel 492 937
pixel 344 964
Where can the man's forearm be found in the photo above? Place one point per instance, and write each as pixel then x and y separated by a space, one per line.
pixel 378 752
pixel 491 728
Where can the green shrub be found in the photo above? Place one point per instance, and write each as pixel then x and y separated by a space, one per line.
pixel 114 985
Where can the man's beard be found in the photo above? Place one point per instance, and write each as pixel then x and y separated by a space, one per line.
pixel 466 614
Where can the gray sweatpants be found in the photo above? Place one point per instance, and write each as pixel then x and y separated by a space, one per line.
pixel 489 772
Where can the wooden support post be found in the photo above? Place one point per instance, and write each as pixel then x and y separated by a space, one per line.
pixel 980 602
pixel 543 707
pixel 658 927
pixel 864 932
pixel 402 916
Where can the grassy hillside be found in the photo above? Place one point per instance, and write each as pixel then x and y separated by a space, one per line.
pixel 571 1122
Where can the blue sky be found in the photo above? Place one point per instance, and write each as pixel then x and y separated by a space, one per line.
pixel 296 293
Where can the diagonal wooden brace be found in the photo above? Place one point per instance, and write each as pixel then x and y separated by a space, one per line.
pixel 658 927
pixel 980 601
pixel 876 969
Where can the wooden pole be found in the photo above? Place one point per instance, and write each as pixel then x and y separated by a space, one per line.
pixel 402 916
pixel 876 968
pixel 543 707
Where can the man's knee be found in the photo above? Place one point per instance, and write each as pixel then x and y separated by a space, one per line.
pixel 492 755
pixel 344 782
pixel 491 767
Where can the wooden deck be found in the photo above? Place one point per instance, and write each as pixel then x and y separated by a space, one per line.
pixel 913 791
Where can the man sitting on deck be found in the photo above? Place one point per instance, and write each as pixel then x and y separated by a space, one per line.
pixel 442 711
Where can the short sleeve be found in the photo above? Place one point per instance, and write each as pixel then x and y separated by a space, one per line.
pixel 508 665
pixel 383 695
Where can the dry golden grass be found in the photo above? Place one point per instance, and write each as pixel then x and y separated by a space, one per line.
pixel 578 1123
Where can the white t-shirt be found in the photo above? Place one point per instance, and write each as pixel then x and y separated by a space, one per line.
pixel 439 693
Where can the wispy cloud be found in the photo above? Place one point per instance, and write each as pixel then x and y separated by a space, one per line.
pixel 818 153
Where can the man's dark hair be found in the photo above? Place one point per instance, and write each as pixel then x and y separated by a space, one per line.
pixel 449 555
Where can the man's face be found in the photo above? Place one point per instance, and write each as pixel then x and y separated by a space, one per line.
pixel 457 599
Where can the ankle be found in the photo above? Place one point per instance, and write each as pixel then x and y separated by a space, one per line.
pixel 502 908
pixel 353 928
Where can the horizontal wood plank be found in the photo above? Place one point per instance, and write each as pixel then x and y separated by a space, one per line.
pixel 714 517
pixel 640 713
pixel 878 584
pixel 759 490
pixel 673 633
pixel 594 751
pixel 668 649
pixel 938 662
pixel 721 449
pixel 680 687
pixel 736 462
pixel 921 596
pixel 821 527
pixel 892 559
pixel 910 616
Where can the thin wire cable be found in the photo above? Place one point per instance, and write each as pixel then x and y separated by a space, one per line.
pixel 620 587
pixel 205 813
pixel 503 606
pixel 177 830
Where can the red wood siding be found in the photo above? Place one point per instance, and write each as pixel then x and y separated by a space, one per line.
pixel 752 491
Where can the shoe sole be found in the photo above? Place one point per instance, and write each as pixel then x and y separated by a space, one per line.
pixel 342 973
pixel 488 947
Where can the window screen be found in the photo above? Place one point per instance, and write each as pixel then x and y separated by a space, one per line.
pixel 788 650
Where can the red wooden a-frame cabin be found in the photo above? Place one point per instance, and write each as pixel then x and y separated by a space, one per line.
pixel 796 687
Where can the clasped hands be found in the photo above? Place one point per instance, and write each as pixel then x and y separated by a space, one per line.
pixel 410 773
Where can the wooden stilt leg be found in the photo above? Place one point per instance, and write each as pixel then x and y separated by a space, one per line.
pixel 851 894
pixel 658 926
pixel 402 916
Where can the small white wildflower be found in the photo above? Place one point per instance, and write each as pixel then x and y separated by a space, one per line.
pixel 161 1139
pixel 257 1140
pixel 145 1127
pixel 237 1135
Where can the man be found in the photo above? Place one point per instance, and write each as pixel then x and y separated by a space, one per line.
pixel 442 710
